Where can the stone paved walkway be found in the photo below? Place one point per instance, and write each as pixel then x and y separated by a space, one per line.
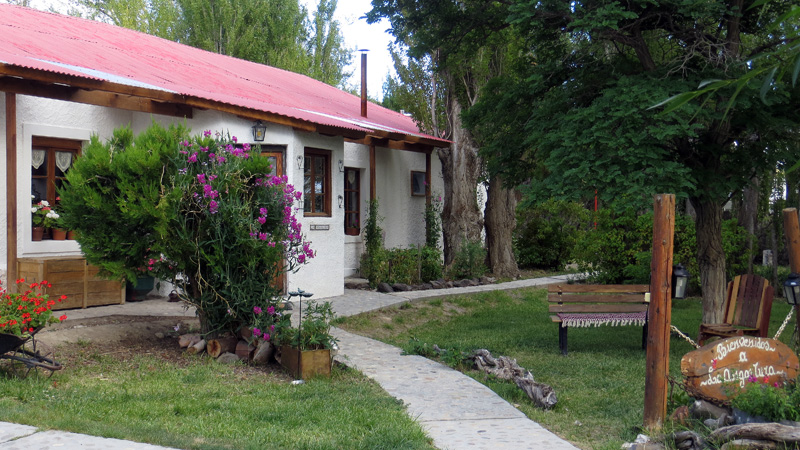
pixel 455 410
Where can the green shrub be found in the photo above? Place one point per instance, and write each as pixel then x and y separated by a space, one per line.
pixel 409 266
pixel 773 402
pixel 469 261
pixel 195 210
pixel 619 249
pixel 373 262
pixel 546 234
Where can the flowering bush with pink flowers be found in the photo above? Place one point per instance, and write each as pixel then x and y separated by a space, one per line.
pixel 199 211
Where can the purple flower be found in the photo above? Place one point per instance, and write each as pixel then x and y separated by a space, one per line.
pixel 262 236
pixel 262 220
pixel 207 133
pixel 257 310
pixel 256 332
pixel 271 310
pixel 263 211
pixel 213 207
pixel 266 336
pixel 201 177
pixel 234 139
pixel 193 158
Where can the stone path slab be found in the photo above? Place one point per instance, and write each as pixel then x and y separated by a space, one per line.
pixel 62 440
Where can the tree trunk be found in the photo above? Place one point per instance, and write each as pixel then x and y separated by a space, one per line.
pixel 748 213
pixel 461 216
pixel 710 258
pixel 500 216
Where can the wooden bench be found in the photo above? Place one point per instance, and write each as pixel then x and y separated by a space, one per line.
pixel 585 305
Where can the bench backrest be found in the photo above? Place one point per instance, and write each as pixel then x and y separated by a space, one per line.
pixel 595 298
pixel 749 302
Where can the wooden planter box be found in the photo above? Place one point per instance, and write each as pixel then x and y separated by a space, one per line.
pixel 73 277
pixel 311 363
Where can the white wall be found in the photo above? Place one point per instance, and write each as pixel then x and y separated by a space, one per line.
pixel 337 255
pixel 403 214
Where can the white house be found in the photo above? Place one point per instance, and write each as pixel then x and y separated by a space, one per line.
pixel 63 79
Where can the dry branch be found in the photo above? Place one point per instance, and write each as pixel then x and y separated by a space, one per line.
pixel 505 368
pixel 757 431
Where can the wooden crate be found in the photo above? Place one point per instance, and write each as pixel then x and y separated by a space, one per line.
pixel 73 277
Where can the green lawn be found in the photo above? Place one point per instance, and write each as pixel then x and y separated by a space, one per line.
pixel 199 404
pixel 600 385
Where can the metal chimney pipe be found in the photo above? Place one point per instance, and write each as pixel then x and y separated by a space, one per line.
pixel 364 82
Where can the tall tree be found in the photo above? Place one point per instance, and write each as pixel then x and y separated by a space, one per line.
pixel 329 57
pixel 462 70
pixel 580 104
pixel 160 18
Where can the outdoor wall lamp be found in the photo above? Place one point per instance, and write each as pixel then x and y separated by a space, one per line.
pixel 791 289
pixel 680 279
pixel 341 166
pixel 341 201
pixel 300 160
pixel 259 131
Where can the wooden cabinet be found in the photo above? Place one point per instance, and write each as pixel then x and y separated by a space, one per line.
pixel 73 277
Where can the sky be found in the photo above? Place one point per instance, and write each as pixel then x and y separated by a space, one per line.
pixel 357 35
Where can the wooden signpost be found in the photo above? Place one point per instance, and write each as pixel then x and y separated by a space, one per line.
pixel 719 370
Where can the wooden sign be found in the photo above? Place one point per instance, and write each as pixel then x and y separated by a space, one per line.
pixel 722 368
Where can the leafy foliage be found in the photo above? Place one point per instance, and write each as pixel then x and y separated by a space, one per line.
pixel 772 402
pixel 469 261
pixel 619 249
pixel 546 234
pixel 314 330
pixel 197 211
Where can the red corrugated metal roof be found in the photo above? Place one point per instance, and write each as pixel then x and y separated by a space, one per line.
pixel 84 48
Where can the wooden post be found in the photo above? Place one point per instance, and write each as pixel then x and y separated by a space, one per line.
pixel 373 191
pixel 659 313
pixel 11 191
pixel 791 227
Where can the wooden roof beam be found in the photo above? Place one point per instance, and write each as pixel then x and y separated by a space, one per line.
pixel 97 98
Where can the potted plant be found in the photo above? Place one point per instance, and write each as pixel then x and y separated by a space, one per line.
pixel 306 350
pixel 39 211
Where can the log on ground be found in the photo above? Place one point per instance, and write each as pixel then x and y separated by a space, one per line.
pixel 216 347
pixel 757 431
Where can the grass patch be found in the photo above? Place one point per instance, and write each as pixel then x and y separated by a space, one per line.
pixel 600 385
pixel 200 404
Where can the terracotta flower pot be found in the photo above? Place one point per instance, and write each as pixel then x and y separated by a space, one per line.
pixel 37 233
pixel 71 235
pixel 58 234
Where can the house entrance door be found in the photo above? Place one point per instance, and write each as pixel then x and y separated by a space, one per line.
pixel 275 154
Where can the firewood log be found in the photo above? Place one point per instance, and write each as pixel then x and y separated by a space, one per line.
pixel 187 340
pixel 198 347
pixel 757 431
pixel 216 347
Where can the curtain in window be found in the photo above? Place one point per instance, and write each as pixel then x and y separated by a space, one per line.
pixel 63 160
pixel 37 158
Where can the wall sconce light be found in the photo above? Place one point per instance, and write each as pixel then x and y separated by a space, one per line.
pixel 300 160
pixel 341 166
pixel 341 201
pixel 259 131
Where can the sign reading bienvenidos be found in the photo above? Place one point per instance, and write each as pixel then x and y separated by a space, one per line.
pixel 722 368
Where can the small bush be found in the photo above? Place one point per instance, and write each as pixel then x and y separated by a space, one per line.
pixel 619 249
pixel 773 402
pixel 469 261
pixel 409 266
pixel 546 234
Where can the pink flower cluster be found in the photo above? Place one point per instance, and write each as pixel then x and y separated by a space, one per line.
pixel 257 332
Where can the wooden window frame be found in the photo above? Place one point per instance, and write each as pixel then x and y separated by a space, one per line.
pixel 351 231
pixel 424 178
pixel 327 185
pixel 51 145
